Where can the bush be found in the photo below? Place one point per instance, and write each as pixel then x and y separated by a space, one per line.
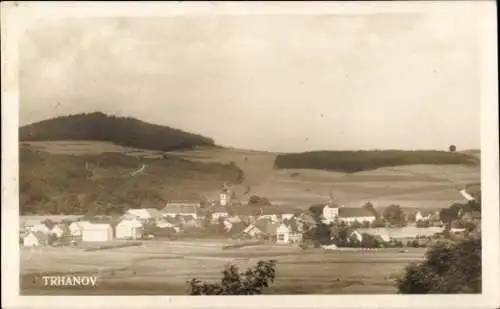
pixel 251 282
pixel 447 269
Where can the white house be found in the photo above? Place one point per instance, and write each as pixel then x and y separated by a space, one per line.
pixel 40 227
pixel 129 229
pixel 330 213
pixel 76 228
pixel 34 239
pixel 97 232
pixel 288 234
pixel 60 230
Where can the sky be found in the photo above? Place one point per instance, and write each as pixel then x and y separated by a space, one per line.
pixel 284 83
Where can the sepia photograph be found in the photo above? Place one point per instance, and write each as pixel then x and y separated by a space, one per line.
pixel 221 149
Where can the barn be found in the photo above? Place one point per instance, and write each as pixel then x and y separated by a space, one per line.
pixel 97 232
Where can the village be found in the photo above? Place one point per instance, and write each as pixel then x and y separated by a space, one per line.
pixel 331 226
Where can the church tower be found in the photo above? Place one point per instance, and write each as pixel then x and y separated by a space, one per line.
pixel 225 196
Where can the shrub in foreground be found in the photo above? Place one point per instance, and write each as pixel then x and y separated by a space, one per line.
pixel 251 282
pixel 448 268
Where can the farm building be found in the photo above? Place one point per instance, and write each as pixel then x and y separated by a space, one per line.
pixel 34 239
pixel 129 229
pixel 288 233
pixel 60 230
pixel 97 232
pixel 181 209
pixel 143 214
pixel 76 227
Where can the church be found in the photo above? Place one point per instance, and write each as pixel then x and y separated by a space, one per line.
pixel 332 212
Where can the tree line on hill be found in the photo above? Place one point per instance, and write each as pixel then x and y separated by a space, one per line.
pixel 357 161
pixel 123 131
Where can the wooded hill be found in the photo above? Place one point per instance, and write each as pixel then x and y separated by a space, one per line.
pixel 358 161
pixel 112 182
pixel 128 132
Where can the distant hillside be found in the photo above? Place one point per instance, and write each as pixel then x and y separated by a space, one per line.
pixel 111 182
pixel 357 161
pixel 122 131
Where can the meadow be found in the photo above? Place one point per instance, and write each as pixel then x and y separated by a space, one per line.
pixel 416 186
pixel 163 267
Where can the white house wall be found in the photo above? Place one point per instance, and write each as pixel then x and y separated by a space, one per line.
pixel 97 234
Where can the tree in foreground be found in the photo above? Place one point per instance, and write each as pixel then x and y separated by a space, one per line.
pixel 251 282
pixel 447 269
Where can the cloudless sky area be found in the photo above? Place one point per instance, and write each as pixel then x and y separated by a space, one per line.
pixel 277 83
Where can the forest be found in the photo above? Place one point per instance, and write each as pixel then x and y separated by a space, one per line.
pixel 129 132
pixel 358 161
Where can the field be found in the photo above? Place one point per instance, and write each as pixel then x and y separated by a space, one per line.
pixel 163 267
pixel 419 186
